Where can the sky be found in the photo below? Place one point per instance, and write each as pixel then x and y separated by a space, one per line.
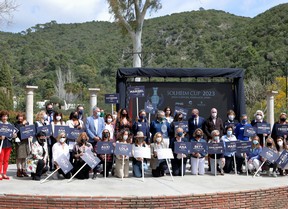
pixel 32 12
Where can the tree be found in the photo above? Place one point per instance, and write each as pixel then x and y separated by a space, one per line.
pixel 130 15
pixel 6 94
pixel 6 9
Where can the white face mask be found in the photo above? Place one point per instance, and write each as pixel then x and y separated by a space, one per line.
pixel 109 120
pixel 258 117
pixel 159 139
pixel 58 118
pixel 62 140
pixel 231 117
pixel 214 115
pixel 280 143
pixel 217 139
pixel 125 137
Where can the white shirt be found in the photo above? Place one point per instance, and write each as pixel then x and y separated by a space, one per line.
pixel 96 124
pixel 58 150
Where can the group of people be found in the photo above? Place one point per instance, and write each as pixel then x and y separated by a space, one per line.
pixel 42 150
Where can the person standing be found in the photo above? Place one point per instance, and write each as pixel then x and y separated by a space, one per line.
pixel 259 118
pixel 168 114
pixel 229 156
pixel 213 123
pixel 282 121
pixel 231 121
pixel 195 122
pixel 142 125
pixel 160 125
pixel 123 121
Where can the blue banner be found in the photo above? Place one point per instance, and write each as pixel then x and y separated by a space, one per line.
pixel 183 110
pixel 182 147
pixel 243 146
pixel 46 129
pixel 199 147
pixel 136 91
pixel 282 161
pixel 112 98
pixel 89 158
pixel 183 125
pixel 149 108
pixel 269 154
pixel 231 146
pixel 263 128
pixel 281 129
pixel 27 131
pixel 74 133
pixel 123 149
pixel 6 130
pixel 249 131
pixel 64 164
pixel 215 148
pixel 105 147
pixel 61 129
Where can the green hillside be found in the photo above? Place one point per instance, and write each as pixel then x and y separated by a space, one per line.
pixel 88 54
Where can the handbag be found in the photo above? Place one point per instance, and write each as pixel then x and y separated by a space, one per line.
pixel 31 164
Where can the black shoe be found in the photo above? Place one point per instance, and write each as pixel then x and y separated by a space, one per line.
pixel 37 178
pixel 94 176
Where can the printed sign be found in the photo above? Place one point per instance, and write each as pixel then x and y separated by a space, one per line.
pixel 71 144
pixel 183 125
pixel 64 163
pixel 215 148
pixel 199 147
pixel 281 129
pixel 6 130
pixel 136 91
pixel 269 154
pixel 263 128
pixel 231 146
pixel 112 98
pixel 142 152
pixel 46 129
pixel 243 146
pixel 27 131
pixel 165 153
pixel 123 149
pixel 149 108
pixel 282 161
pixel 182 147
pixel 184 111
pixel 89 158
pixel 104 147
pixel 74 133
pixel 249 131
pixel 61 129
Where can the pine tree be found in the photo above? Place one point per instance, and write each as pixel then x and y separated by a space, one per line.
pixel 6 93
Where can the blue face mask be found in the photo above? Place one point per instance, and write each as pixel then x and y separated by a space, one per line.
pixel 229 133
pixel 255 142
pixel 243 121
pixel 81 112
pixel 180 134
pixel 142 117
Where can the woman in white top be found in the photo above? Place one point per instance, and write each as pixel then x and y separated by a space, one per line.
pixel 110 126
pixel 58 149
pixel 74 121
pixel 229 156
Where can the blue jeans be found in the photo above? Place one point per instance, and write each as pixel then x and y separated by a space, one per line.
pixel 137 168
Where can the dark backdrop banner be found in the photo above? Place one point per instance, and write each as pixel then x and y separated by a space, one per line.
pixel 186 96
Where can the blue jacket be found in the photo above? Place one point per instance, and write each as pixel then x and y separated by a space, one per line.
pixel 156 126
pixel 254 153
pixel 192 127
pixel 91 130
pixel 239 131
pixel 142 126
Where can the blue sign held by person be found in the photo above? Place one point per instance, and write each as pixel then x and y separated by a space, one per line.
pixel 89 158
pixel 182 147
pixel 104 147
pixel 64 163
pixel 112 98
pixel 215 148
pixel 123 149
pixel 27 131
pixel 136 91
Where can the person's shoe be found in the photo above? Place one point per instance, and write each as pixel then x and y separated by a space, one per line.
pixel 24 173
pixel 222 172
pixel 6 177
pixel 274 174
pixel 94 176
pixel 19 173
pixel 37 178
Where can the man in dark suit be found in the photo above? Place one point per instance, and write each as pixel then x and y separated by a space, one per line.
pixel 213 123
pixel 195 122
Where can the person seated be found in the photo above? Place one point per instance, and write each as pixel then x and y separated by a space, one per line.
pixel 198 159
pixel 39 152
pixel 254 159
pixel 177 161
pixel 81 146
pixel 267 165
pixel 220 160
pixel 59 148
pixel 159 166
pixel 281 146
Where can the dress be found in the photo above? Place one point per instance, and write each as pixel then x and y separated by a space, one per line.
pixel 22 147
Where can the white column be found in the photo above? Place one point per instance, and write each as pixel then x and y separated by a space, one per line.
pixel 93 98
pixel 29 103
pixel 270 107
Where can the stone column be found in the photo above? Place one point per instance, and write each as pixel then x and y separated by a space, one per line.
pixel 30 102
pixel 270 107
pixel 93 98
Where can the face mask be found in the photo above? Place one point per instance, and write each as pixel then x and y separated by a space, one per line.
pixel 125 137
pixel 217 138
pixel 229 133
pixel 269 144
pixel 75 117
pixel 258 117
pixel 83 141
pixel 158 139
pixel 244 121
pixel 49 111
pixel 142 117
pixel 81 112
pixel 124 114
pixel 45 117
pixel 109 120
pixel 283 119
pixel 162 119
pixel 41 141
pixel 98 114
pixel 198 135
pixel 62 140
pixel 114 116
pixel 180 134
pixel 280 143
pixel 101 114
pixel 255 142
pixel 231 117
pixel 214 115
pixel 105 135
pixel 193 116
pixel 180 118
pixel 58 118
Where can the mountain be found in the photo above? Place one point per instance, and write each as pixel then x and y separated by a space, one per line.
pixel 78 56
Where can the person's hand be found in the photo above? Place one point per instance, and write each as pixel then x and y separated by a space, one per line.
pixel 96 138
pixel 197 155
pixel 14 135
pixel 139 158
pixel 155 154
pixel 2 137
pixel 184 156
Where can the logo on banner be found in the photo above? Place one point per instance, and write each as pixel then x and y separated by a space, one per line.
pixel 249 131
pixel 231 146
pixel 215 148
pixel 269 154
pixel 123 149
pixel 282 161
pixel 243 146
pixel 136 91
pixel 6 130
pixel 64 164
pixel 104 147
pixel 112 98
pixel 46 129
pixel 182 147
pixel 27 131
pixel 89 158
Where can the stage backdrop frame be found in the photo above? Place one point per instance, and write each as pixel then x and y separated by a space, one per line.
pixel 236 74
